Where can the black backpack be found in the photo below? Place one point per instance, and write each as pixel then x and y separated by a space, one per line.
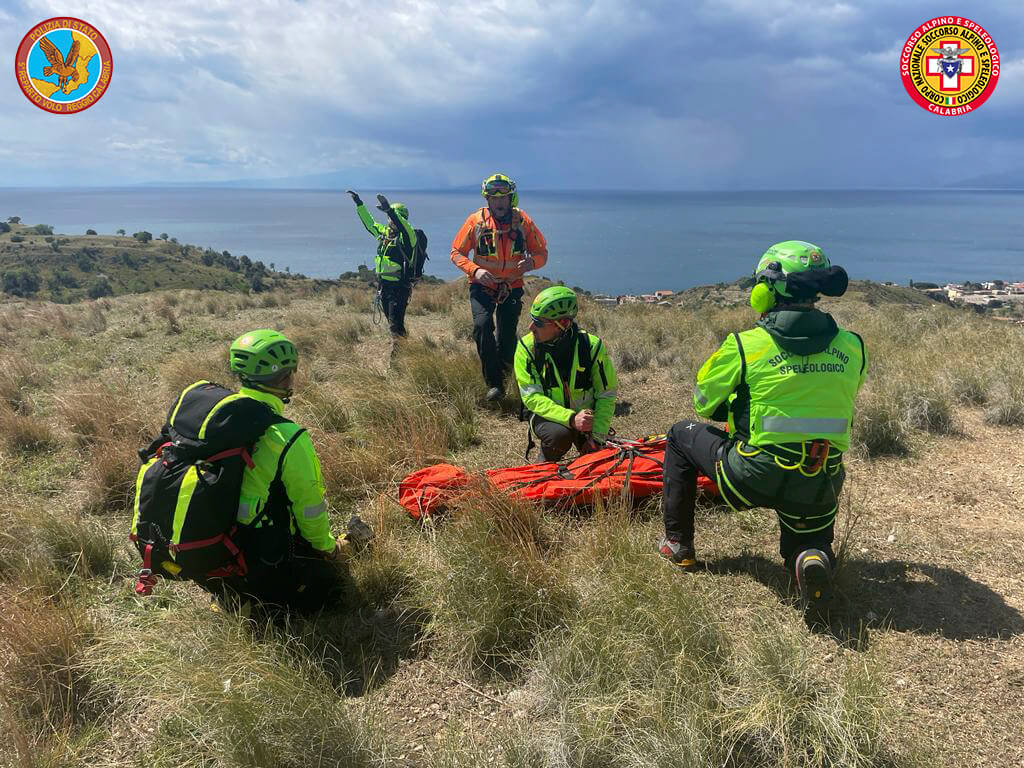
pixel 188 487
pixel 414 267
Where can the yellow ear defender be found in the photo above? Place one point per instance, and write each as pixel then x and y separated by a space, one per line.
pixel 762 297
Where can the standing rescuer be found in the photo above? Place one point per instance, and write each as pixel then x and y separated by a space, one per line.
pixel 396 248
pixel 505 244
pixel 566 379
pixel 787 388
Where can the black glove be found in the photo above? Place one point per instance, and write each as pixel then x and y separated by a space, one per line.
pixel 383 204
pixel 355 198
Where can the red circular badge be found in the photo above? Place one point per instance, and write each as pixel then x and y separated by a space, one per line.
pixel 949 65
pixel 63 65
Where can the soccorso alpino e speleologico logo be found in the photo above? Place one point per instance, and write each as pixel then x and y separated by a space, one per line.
pixel 949 65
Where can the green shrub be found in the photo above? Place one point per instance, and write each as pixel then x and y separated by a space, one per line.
pixel 22 282
pixel 143 237
pixel 41 229
pixel 90 231
pixel 99 287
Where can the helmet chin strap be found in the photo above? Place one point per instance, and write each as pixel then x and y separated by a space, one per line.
pixel 281 392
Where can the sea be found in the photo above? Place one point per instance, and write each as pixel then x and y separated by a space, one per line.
pixel 610 242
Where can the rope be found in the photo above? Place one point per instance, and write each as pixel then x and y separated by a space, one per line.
pixel 377 310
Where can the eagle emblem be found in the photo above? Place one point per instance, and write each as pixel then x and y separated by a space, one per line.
pixel 61 66
pixel 951 63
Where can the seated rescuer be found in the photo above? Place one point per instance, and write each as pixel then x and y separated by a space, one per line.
pixel 396 247
pixel 566 379
pixel 506 244
pixel 290 551
pixel 787 388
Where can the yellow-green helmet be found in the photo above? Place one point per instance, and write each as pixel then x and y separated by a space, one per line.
pixel 262 355
pixel 795 271
pixel 499 185
pixel 554 303
pixel 788 258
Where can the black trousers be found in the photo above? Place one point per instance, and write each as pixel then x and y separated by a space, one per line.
pixel 394 299
pixel 693 448
pixel 556 440
pixel 302 581
pixel 496 354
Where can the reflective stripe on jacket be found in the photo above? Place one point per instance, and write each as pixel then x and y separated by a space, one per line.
pixel 498 248
pixel 546 392
pixel 300 476
pixel 394 249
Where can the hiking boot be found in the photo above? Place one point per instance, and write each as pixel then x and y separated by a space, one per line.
pixel 494 393
pixel 814 580
pixel 677 553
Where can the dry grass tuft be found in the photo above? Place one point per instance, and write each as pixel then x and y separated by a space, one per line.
pixel 219 693
pixel 184 368
pixel 27 434
pixel 42 643
pixel 108 480
pixel 496 592
pixel 19 378
pixel 108 409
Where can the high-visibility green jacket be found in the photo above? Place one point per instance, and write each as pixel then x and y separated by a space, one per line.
pixel 301 478
pixel 555 383
pixel 395 248
pixel 794 378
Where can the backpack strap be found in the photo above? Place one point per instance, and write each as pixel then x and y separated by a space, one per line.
pixel 277 501
pixel 743 359
pixel 585 356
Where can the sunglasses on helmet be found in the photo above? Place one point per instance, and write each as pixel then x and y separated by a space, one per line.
pixel 497 187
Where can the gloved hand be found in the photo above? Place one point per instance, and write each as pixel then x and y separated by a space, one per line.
pixel 355 197
pixel 383 204
pixel 525 264
pixel 358 533
pixel 485 278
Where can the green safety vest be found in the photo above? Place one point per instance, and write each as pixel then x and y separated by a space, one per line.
pixel 775 396
pixel 392 253
pixel 591 383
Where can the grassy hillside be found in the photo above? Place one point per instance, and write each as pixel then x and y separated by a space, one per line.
pixel 36 263
pixel 507 634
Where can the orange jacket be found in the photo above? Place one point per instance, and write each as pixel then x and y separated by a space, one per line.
pixel 498 248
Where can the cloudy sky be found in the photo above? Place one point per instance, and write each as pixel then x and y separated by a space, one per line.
pixel 576 94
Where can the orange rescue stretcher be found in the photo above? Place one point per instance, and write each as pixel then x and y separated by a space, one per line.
pixel 623 467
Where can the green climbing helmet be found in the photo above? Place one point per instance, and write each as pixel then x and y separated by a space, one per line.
pixel 788 258
pixel 499 185
pixel 401 210
pixel 554 303
pixel 263 355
